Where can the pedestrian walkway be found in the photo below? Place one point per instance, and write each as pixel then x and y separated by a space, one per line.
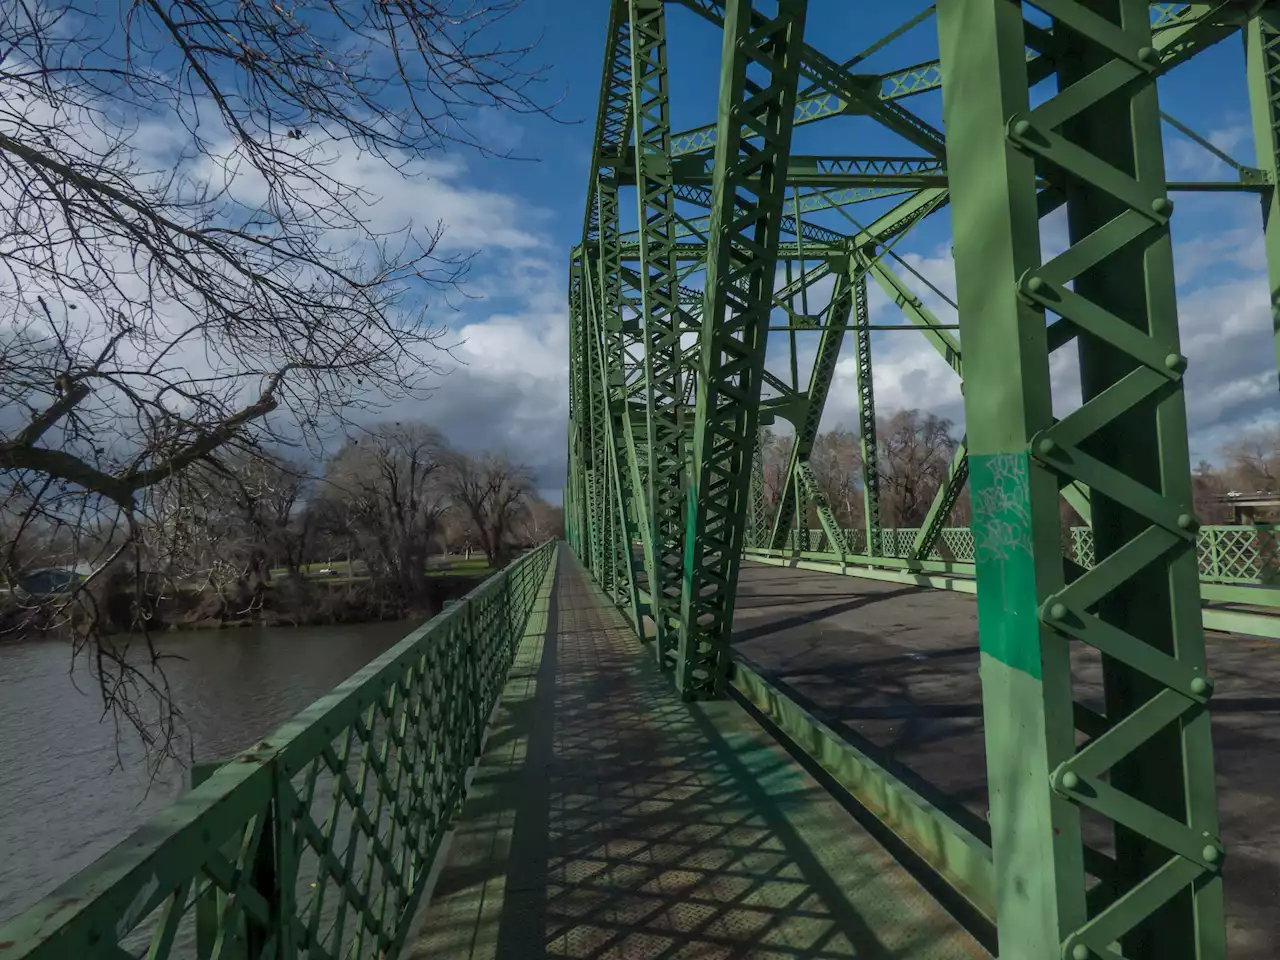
pixel 611 820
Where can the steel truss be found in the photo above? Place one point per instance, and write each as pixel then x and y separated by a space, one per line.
pixel 673 375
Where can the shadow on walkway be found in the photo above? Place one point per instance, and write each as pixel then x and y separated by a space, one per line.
pixel 612 820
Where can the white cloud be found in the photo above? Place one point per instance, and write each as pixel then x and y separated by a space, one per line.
pixel 1225 323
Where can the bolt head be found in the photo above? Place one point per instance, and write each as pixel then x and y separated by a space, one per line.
pixel 1079 952
pixel 1175 361
pixel 1070 781
pixel 1036 284
pixel 1048 445
pixel 1162 205
pixel 1148 55
pixel 1057 612
pixel 1210 853
pixel 1186 521
pixel 1022 127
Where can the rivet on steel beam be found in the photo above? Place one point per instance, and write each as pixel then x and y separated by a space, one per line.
pixel 1079 952
pixel 1057 612
pixel 1022 128
pixel 1069 780
pixel 1036 285
pixel 1047 446
pixel 1162 206
pixel 1186 521
pixel 1201 686
pixel 1149 55
pixel 1210 853
pixel 1175 362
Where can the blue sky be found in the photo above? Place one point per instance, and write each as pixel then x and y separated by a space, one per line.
pixel 523 216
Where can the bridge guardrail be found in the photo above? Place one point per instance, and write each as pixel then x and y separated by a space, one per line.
pixel 319 840
pixel 1228 553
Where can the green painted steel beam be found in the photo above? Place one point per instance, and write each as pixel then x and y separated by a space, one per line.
pixel 1099 137
pixel 943 503
pixel 867 438
pixel 839 173
pixel 1262 65
pixel 753 142
pixel 664 320
pixel 798 487
pixel 859 95
pixel 954 853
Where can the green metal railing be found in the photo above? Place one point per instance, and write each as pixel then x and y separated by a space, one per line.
pixel 318 841
pixel 1228 554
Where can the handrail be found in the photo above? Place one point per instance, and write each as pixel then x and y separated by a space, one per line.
pixel 1228 553
pixel 318 840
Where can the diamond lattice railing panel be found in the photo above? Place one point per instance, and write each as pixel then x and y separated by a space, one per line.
pixel 1240 554
pixel 959 541
pixel 322 834
pixel 1082 546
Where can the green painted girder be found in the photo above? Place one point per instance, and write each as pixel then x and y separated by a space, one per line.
pixel 943 503
pixel 630 251
pixel 821 70
pixel 613 117
pixel 810 412
pixel 664 320
pixel 926 76
pixel 626 507
pixel 815 171
pixel 1075 493
pixel 868 441
pixel 913 308
pixel 752 147
pixel 759 518
pixel 917 205
pixel 1262 65
pixel 1146 766
pixel 812 494
pixel 699 226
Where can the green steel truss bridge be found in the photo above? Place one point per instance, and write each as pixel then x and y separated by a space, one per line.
pixel 596 753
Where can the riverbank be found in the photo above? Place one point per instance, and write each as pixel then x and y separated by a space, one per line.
pixel 278 602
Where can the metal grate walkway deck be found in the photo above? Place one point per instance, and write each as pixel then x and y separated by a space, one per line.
pixel 611 820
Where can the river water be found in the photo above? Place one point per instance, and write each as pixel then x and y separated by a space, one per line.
pixel 66 798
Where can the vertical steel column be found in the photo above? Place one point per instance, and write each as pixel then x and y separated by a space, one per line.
pixel 759 72
pixel 870 444
pixel 659 291
pixel 759 514
pixel 573 505
pixel 608 322
pixel 1147 765
pixel 1262 62
pixel 799 492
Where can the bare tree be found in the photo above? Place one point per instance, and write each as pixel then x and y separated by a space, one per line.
pixel 836 462
pixel 915 450
pixel 539 521
pixel 390 489
pixel 1253 460
pixel 492 490
pixel 776 454
pixel 190 264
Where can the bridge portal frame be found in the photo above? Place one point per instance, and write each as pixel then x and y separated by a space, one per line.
pixel 689 392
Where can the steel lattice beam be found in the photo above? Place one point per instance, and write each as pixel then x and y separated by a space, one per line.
pixel 669 385
pixel 1099 137
pixel 753 142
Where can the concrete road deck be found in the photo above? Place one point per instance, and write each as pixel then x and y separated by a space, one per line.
pixel 894 669
pixel 611 820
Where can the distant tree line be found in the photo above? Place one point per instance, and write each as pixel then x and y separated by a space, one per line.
pixel 385 504
pixel 914 450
